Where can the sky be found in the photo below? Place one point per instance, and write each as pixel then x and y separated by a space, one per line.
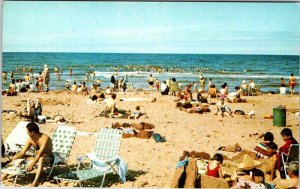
pixel 152 27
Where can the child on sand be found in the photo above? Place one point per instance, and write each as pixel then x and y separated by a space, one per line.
pixel 136 114
pixel 157 83
pixel 213 168
pixel 223 109
pixel 287 136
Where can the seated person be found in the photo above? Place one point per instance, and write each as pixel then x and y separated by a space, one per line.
pixel 212 91
pixel 282 89
pixel 213 168
pixel 293 172
pixel 164 88
pixel 247 170
pixel 185 95
pixel 43 145
pixel 29 111
pixel 37 107
pixel 223 92
pixel 111 104
pixel 11 92
pixel 223 109
pixel 201 98
pixel 266 152
pixel 287 136
pixel 136 114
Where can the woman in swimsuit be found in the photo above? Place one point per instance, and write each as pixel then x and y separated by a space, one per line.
pixel 292 83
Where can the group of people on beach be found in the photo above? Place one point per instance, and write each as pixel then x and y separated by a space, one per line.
pixel 250 172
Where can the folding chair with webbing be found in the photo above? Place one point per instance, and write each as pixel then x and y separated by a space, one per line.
pixel 293 155
pixel 104 157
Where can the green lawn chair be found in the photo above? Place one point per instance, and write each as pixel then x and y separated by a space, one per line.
pixel 62 140
pixel 102 160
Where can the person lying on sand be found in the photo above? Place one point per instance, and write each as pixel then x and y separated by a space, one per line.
pixel 136 114
pixel 193 108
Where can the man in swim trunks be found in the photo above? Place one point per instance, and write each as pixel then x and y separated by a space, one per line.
pixel 151 82
pixel 43 154
pixel 292 83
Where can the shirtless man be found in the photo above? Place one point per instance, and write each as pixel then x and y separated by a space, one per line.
pixel 151 82
pixel 293 173
pixel 43 145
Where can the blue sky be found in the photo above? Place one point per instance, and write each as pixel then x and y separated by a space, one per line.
pixel 152 27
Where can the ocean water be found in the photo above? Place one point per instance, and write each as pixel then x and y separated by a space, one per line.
pixel 265 70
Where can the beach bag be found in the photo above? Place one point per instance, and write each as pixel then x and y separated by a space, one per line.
pixel 191 174
pixel 144 134
pixel 178 178
pixel 158 138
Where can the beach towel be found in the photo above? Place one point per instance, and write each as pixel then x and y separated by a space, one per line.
pixel 262 151
pixel 136 99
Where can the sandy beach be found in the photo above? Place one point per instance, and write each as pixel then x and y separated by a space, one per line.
pixel 153 164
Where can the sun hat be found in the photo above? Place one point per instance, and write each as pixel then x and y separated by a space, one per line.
pixel 248 163
pixel 244 81
pixel 45 66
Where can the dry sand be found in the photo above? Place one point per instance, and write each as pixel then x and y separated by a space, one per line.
pixel 152 164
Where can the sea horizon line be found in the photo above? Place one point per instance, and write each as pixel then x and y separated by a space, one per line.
pixel 164 53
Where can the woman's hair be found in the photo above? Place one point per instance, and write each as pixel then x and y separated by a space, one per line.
pixel 282 85
pixel 268 136
pixel 137 108
pixel 113 96
pixel 286 132
pixel 218 157
pixel 173 79
pixel 223 86
pixel 293 166
pixel 236 87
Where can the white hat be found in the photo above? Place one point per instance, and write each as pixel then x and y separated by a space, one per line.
pixel 244 81
pixel 45 66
